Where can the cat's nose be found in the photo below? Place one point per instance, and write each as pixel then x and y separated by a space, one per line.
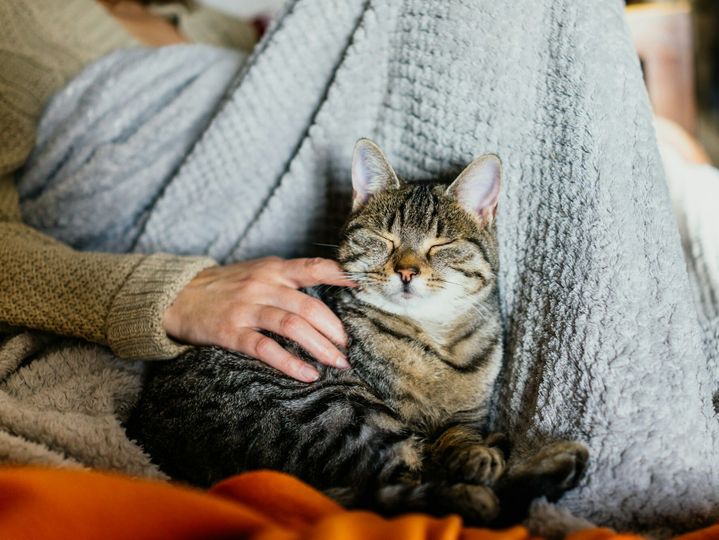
pixel 407 273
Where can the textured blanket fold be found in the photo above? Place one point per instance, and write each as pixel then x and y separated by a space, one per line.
pixel 603 340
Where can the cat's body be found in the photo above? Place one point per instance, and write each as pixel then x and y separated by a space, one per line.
pixel 401 429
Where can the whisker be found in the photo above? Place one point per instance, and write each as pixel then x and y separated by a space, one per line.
pixel 364 277
pixel 446 281
pixel 360 278
pixel 362 272
pixel 322 287
pixel 481 311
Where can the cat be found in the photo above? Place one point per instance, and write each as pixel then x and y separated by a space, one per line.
pixel 402 430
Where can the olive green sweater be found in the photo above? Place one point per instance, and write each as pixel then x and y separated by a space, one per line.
pixel 115 300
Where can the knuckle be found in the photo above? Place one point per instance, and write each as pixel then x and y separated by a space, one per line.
pixel 242 342
pixel 236 322
pixel 263 346
pixel 314 266
pixel 290 323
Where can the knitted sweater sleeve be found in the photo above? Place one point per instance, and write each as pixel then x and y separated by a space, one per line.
pixel 116 300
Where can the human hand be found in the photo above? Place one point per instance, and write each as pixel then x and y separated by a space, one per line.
pixel 229 305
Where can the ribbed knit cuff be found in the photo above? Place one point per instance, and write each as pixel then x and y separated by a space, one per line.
pixel 134 322
pixel 9 206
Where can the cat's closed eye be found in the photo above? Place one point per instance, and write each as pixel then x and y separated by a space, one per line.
pixel 389 242
pixel 440 243
pixel 374 243
pixel 454 251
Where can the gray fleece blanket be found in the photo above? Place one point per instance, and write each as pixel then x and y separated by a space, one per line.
pixel 183 150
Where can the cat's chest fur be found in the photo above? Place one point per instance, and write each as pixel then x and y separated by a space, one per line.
pixel 428 375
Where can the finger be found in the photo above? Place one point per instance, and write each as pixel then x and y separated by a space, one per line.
pixel 269 351
pixel 311 309
pixel 316 271
pixel 294 327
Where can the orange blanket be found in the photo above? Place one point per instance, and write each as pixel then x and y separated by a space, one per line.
pixel 56 504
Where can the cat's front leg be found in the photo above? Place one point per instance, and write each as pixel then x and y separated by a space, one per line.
pixel 553 470
pixel 466 456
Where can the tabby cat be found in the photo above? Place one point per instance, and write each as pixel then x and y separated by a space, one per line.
pixel 402 429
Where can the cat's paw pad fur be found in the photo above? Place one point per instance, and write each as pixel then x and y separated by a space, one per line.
pixel 560 465
pixel 476 464
pixel 476 504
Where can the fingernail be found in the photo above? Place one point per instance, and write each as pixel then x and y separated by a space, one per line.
pixel 309 374
pixel 342 363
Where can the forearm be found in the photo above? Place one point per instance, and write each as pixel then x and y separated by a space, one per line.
pixel 113 299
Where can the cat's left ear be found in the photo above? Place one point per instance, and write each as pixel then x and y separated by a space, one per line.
pixel 371 173
pixel 477 187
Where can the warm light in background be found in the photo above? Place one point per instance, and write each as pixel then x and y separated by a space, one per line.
pixel 245 8
pixel 679 48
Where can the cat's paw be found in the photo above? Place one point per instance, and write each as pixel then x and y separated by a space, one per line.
pixel 499 440
pixel 475 463
pixel 558 467
pixel 478 505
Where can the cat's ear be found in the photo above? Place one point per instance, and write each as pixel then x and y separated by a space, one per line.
pixel 371 173
pixel 477 187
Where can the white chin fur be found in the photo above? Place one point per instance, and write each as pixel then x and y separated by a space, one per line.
pixel 433 311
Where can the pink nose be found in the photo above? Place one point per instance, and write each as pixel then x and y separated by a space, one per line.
pixel 406 274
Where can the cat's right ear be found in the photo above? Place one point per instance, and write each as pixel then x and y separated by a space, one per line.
pixel 371 173
pixel 477 187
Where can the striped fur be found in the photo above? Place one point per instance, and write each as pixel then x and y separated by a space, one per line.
pixel 398 431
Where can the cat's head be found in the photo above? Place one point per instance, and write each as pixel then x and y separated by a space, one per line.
pixel 421 250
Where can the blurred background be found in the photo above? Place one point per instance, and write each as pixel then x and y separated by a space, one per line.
pixel 678 44
pixel 246 8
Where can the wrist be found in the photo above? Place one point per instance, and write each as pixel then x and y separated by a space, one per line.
pixel 136 321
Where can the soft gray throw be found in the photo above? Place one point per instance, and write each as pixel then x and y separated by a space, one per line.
pixel 141 152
